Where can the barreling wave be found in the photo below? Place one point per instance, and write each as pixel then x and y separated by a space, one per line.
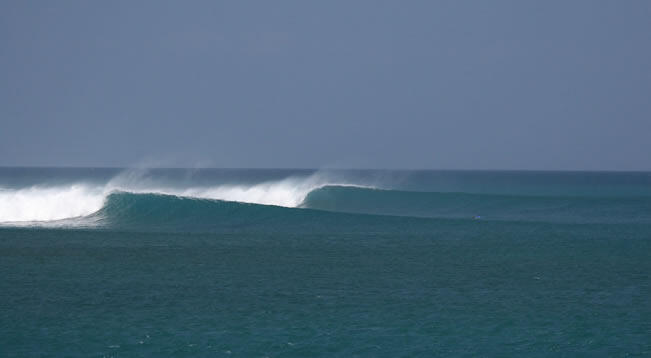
pixel 134 199
pixel 77 203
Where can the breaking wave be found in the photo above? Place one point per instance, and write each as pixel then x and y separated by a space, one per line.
pixel 133 200
pixel 54 203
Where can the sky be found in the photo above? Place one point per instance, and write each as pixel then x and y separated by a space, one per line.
pixel 534 85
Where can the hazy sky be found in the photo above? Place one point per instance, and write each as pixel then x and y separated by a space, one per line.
pixel 380 84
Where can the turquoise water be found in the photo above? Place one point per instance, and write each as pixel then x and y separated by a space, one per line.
pixel 296 263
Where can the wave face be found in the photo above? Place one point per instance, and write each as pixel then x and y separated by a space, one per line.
pixel 158 212
pixel 187 201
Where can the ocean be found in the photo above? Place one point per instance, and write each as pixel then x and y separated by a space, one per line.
pixel 98 262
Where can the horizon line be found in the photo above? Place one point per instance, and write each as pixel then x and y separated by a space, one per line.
pixel 328 168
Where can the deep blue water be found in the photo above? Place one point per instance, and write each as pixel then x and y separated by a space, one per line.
pixel 296 263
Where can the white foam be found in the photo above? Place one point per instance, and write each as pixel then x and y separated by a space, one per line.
pixel 49 203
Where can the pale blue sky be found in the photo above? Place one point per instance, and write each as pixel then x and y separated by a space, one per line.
pixel 380 84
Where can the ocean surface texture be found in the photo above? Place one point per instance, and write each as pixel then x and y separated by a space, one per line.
pixel 331 263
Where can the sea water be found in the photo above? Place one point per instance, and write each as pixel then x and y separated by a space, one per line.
pixel 301 263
